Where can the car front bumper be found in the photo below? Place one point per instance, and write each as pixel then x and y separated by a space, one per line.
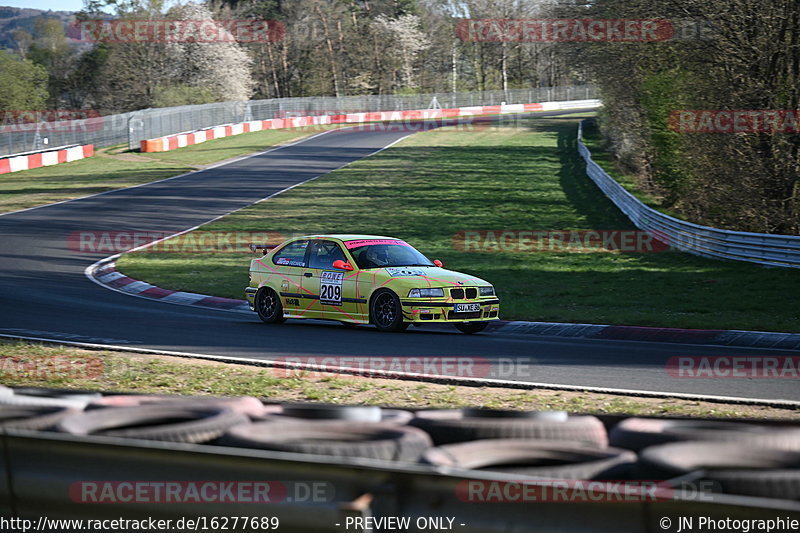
pixel 415 310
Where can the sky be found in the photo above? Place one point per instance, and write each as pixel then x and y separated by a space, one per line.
pixel 55 5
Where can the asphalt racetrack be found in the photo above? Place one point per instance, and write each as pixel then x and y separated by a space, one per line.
pixel 44 292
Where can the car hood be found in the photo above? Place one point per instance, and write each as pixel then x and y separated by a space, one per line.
pixel 435 275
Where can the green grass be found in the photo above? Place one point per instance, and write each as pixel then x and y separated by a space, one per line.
pixel 437 183
pixel 33 365
pixel 114 168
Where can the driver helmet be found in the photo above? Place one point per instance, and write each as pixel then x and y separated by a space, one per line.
pixel 378 255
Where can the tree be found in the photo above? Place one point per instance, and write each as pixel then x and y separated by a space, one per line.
pixel 23 84
pixel 51 50
pixel 404 36
pixel 222 68
pixel 749 60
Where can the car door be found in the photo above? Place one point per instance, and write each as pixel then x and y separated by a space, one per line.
pixel 290 262
pixel 333 289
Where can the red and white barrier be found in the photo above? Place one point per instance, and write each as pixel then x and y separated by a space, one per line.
pixel 45 159
pixel 171 142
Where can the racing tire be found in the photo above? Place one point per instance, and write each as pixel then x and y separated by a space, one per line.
pixel 386 312
pixel 268 306
pixel 65 394
pixel 33 418
pixel 557 460
pixel 248 405
pixel 639 433
pixel 471 327
pixel 78 401
pixel 455 425
pixel 351 413
pixel 332 438
pixel 734 468
pixel 173 423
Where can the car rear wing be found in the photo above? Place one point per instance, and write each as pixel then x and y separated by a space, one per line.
pixel 265 247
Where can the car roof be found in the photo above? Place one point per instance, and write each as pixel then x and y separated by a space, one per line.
pixel 346 237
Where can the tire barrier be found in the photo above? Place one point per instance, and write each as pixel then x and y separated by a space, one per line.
pixel 333 439
pixel 738 468
pixel 353 413
pixel 489 470
pixel 175 423
pixel 639 433
pixel 449 426
pixel 33 417
pixel 543 459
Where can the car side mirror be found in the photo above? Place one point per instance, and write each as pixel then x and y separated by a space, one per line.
pixel 437 262
pixel 342 265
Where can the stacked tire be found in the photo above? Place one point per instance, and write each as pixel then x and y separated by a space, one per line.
pixel 752 459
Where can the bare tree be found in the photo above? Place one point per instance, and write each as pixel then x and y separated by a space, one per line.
pixel 406 38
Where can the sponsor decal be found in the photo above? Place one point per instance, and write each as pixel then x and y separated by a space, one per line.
pixel 371 242
pixel 330 288
pixel 285 261
pixel 404 271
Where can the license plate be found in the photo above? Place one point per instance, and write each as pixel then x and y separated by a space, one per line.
pixel 467 308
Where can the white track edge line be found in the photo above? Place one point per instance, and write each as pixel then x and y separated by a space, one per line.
pixel 226 162
pixel 89 270
pixel 466 381
pixel 210 167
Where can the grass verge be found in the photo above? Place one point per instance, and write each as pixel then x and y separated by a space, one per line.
pixel 522 177
pixel 72 368
pixel 115 168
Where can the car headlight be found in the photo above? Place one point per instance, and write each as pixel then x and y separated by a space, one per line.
pixel 487 291
pixel 426 293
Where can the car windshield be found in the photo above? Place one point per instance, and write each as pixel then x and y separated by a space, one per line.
pixel 388 255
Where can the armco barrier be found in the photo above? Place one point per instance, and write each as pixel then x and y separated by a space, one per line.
pixel 171 142
pixel 44 159
pixel 47 473
pixel 761 248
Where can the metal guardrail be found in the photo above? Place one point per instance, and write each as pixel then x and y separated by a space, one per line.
pixel 761 248
pixel 136 126
pixel 40 469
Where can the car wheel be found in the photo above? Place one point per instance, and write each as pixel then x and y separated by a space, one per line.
pixel 268 306
pixel 471 327
pixel 386 312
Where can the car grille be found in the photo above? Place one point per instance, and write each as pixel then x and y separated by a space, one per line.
pixel 452 315
pixel 460 294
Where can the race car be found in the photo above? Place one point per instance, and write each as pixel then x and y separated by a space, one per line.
pixel 364 279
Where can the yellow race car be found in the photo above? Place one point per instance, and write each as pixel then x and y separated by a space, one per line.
pixel 364 279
